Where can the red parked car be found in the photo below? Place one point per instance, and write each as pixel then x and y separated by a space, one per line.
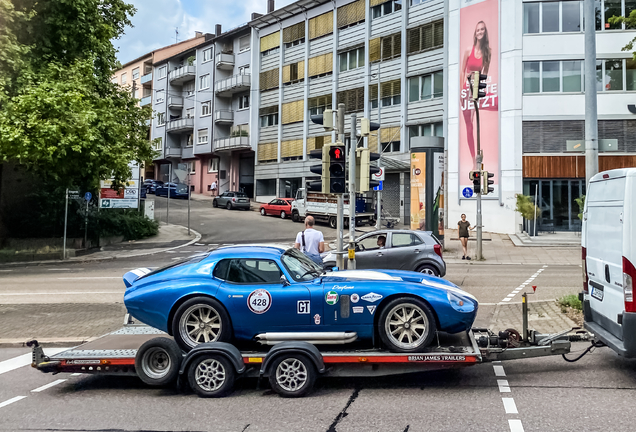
pixel 277 207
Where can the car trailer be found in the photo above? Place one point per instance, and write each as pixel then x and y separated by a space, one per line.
pixel 292 367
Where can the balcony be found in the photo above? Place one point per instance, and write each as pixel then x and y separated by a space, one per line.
pixel 173 152
pixel 146 79
pixel 182 74
pixel 224 117
pixel 225 61
pixel 232 143
pixel 145 100
pixel 180 125
pixel 175 102
pixel 187 152
pixel 231 85
pixel 200 149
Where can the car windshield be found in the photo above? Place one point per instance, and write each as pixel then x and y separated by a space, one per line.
pixel 241 195
pixel 299 266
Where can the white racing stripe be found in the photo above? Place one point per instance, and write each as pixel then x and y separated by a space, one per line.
pixel 24 360
pixel 510 406
pixel 49 385
pixel 10 401
pixel 89 277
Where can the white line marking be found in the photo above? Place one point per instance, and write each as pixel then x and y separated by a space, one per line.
pixel 515 425
pixel 23 360
pixel 504 387
pixel 10 401
pixel 58 269
pixel 61 292
pixel 510 295
pixel 509 406
pixel 6 270
pixel 199 244
pixel 545 266
pixel 497 361
pixel 76 374
pixel 49 385
pixel 89 277
pixel 507 299
pixel 499 370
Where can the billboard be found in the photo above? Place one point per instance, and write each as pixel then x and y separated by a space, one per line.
pixel 479 51
pixel 418 190
pixel 128 197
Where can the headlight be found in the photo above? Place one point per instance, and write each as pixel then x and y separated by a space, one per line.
pixel 460 304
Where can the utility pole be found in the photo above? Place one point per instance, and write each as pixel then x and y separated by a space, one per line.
pixel 352 193
pixel 340 212
pixel 378 224
pixel 65 221
pixel 479 160
pixel 168 197
pixel 591 119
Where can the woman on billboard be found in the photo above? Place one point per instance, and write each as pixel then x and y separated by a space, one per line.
pixel 476 58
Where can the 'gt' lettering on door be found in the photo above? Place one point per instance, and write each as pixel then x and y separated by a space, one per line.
pixel 303 307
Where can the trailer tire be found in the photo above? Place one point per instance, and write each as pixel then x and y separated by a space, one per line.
pixel 421 316
pixel 211 375
pixel 157 361
pixel 292 375
pixel 333 222
pixel 190 312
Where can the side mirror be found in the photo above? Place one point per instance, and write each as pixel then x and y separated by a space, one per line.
pixel 284 280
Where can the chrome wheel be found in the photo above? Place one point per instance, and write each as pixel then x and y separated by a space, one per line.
pixel 262 212
pixel 291 374
pixel 283 215
pixel 200 323
pixel 156 363
pixel 428 270
pixel 407 326
pixel 210 375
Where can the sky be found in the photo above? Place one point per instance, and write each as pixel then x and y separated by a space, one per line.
pixel 156 20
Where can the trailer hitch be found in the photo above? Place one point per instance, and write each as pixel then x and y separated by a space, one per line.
pixel 37 353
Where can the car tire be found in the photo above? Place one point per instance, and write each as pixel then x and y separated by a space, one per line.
pixel 228 206
pixel 214 203
pixel 295 216
pixel 263 212
pixel 333 222
pixel 283 214
pixel 428 269
pixel 187 320
pixel 157 361
pixel 211 375
pixel 395 311
pixel 292 375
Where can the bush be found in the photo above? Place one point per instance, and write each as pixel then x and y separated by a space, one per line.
pixel 571 300
pixel 526 207
pixel 125 222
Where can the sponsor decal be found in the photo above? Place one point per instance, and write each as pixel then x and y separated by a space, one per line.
pixel 83 362
pixel 259 301
pixel 317 319
pixel 436 357
pixel 358 309
pixel 355 298
pixel 331 298
pixel 371 309
pixel 338 287
pixel 303 307
pixel 371 297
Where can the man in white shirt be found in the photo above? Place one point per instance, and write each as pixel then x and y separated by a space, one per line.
pixel 310 241
pixel 213 187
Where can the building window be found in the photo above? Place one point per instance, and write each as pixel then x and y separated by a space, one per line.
pixel 553 17
pixel 271 51
pixel 114 80
pixel 318 105
pixel 135 73
pixel 426 37
pixel 385 48
pixel 554 76
pixel 244 102
pixel 192 167
pixel 188 89
pixel 161 72
pixel 207 55
pixel 189 140
pixel 189 112
pixel 352 99
pixel 294 34
pixel 158 144
pixel 268 116
pixel 244 70
pixel 416 2
pixel 204 82
pixel 426 86
pixel 161 119
pixel 609 75
pixel 390 93
pixel 213 164
pixel 351 14
pixel 205 108
pixel 430 129
pixel 240 131
pixel 269 79
pixel 202 136
pixel 294 72
pixel 244 43
pixel 124 78
pixel 160 96
pixel 136 93
pixel 351 59
pixel 386 8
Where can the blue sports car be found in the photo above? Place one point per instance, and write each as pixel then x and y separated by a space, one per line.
pixel 271 294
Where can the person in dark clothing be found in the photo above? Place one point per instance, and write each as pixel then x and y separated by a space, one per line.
pixel 463 226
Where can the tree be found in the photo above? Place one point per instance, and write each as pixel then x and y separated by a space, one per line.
pixel 60 114
pixel 630 23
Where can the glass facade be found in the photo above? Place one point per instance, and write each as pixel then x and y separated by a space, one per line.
pixel 556 199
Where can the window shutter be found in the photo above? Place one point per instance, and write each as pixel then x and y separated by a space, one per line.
pixel 386 89
pixel 378 2
pixel 397 44
pixel 413 40
pixel 293 112
pixel 373 91
pixel 270 41
pixel 351 13
pixel 387 48
pixel 312 66
pixel 286 74
pixel 374 50
pixel 294 32
pixel 397 87
pixel 268 110
pixel 267 151
pixel 291 148
pixel 438 33
pixel 427 37
pixel 321 25
pixel 301 70
pixel 390 134
pixel 269 79
pixel 328 66
pixel 244 43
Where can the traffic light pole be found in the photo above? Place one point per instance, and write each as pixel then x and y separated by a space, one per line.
pixel 352 193
pixel 478 168
pixel 340 212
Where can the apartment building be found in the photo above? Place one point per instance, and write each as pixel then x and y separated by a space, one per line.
pixel 384 59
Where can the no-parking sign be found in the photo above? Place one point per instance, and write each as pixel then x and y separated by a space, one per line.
pixel 379 176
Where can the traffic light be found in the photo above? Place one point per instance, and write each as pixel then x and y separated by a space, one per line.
pixel 323 170
pixel 475 176
pixel 325 119
pixel 364 170
pixel 478 87
pixel 366 127
pixel 337 169
pixel 486 176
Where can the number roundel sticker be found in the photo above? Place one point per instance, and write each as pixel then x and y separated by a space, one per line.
pixel 259 301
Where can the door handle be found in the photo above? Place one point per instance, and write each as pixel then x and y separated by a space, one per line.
pixel 380 254
pixel 416 251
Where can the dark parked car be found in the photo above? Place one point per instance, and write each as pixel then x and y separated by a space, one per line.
pixel 232 200
pixel 398 250
pixel 151 185
pixel 177 190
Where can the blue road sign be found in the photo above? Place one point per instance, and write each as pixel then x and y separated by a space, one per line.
pixel 467 192
pixel 378 188
pixel 88 196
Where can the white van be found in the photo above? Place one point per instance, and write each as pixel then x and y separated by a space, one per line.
pixel 609 255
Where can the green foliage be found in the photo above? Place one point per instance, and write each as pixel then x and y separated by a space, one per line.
pixel 526 207
pixel 191 60
pixel 581 203
pixel 630 23
pixel 127 222
pixel 571 300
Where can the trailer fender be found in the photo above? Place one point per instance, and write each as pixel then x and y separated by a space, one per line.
pixel 223 348
pixel 286 348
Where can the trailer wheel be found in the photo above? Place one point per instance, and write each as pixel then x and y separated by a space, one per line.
pixel 333 222
pixel 406 324
pixel 199 320
pixel 292 375
pixel 211 375
pixel 157 361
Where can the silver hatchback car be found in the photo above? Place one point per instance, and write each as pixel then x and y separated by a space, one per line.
pixel 397 250
pixel 232 200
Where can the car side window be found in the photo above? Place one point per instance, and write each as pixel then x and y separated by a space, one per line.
pixel 220 269
pixel 253 271
pixel 371 242
pixel 404 240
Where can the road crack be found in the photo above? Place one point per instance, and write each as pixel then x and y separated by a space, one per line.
pixel 342 414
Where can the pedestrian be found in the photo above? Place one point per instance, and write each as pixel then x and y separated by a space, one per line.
pixel 463 226
pixel 310 241
pixel 213 187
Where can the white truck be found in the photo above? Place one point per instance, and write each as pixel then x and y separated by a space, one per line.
pixel 323 207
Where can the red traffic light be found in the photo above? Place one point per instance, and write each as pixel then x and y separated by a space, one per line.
pixel 336 153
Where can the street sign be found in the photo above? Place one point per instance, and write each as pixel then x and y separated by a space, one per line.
pixel 379 176
pixel 88 196
pixel 467 192
pixel 73 194
pixel 379 187
pixel 118 203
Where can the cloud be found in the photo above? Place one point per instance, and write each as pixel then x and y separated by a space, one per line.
pixel 156 20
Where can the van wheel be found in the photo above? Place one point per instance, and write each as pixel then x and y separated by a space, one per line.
pixel 333 222
pixel 157 361
pixel 295 216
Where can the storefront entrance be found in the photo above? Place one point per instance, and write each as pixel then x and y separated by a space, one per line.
pixel 556 199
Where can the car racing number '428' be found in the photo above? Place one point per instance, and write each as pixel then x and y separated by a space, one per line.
pixel 259 301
